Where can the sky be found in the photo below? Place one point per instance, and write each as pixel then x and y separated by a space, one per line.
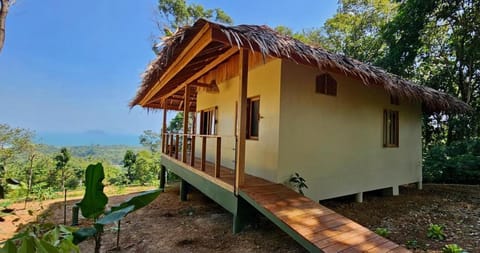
pixel 73 66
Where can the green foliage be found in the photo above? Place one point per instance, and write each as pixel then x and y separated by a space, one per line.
pixel 458 162
pixel 129 162
pixel 452 248
pixel 41 192
pixel 42 238
pixel 178 13
pixel 176 124
pixel 412 244
pixel 298 182
pixel 151 140
pixel 355 29
pixel 382 232
pixel 435 232
pixel 138 201
pixel 93 203
pixel 147 167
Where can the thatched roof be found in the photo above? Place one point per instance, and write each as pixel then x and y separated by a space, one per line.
pixel 270 43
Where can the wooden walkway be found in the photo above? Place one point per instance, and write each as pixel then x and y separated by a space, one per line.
pixel 304 219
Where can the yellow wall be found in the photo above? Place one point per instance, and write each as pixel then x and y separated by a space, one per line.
pixel 262 154
pixel 336 143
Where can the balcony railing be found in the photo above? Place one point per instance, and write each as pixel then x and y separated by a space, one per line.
pixel 182 148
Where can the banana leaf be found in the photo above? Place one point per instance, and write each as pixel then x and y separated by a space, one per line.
pixel 94 200
pixel 115 215
pixel 138 201
pixel 83 234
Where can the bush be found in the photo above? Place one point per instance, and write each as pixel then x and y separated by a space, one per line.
pixel 457 163
pixel 452 248
pixel 435 232
pixel 384 232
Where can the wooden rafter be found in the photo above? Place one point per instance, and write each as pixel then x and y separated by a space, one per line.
pixel 196 45
pixel 203 71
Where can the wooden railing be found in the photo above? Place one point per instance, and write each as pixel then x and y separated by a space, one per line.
pixel 183 146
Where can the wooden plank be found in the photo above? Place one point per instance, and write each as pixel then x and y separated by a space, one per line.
pixel 204 152
pixel 177 143
pixel 170 151
pixel 218 157
pixel 164 130
pixel 192 151
pixel 195 46
pixel 242 133
pixel 185 122
pixel 201 72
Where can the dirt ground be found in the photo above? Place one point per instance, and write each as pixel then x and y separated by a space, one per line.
pixel 408 216
pixel 200 225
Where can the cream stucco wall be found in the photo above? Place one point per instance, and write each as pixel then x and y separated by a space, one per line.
pixel 336 143
pixel 262 154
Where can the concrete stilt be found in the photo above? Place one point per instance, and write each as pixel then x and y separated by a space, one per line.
pixel 420 185
pixel 184 190
pixel 161 177
pixel 359 197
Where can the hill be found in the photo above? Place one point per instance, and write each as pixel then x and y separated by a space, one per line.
pixel 112 153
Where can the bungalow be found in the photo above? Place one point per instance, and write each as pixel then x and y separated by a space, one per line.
pixel 262 106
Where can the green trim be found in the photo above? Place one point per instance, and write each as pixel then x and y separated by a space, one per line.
pixel 222 196
pixel 284 227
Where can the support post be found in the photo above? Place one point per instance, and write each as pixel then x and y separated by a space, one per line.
pixel 177 143
pixel 359 197
pixel 192 151
pixel 204 152
pixel 164 130
pixel 242 128
pixel 184 190
pixel 218 157
pixel 162 176
pixel 170 152
pixel 186 107
pixel 243 215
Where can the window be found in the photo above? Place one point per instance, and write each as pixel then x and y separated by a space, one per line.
pixel 325 84
pixel 253 117
pixel 208 121
pixel 390 128
pixel 394 100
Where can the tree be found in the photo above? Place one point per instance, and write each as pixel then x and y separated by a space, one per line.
pixel 4 6
pixel 129 161
pixel 62 160
pixel 437 43
pixel 13 143
pixel 176 124
pixel 355 29
pixel 150 140
pixel 177 13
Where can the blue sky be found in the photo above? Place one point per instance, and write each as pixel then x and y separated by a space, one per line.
pixel 73 66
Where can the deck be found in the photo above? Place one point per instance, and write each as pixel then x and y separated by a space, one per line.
pixel 314 226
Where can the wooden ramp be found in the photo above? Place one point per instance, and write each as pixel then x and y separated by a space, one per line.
pixel 314 226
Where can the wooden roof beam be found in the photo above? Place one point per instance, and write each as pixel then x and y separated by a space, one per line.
pixel 196 45
pixel 203 71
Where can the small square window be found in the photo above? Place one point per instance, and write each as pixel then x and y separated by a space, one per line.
pixel 326 84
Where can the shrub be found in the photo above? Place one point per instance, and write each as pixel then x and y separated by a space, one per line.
pixel 382 232
pixel 458 162
pixel 452 248
pixel 435 232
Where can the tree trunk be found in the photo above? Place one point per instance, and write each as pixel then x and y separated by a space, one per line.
pixel 30 176
pixel 3 16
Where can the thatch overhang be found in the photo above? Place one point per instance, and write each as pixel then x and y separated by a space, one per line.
pixel 205 54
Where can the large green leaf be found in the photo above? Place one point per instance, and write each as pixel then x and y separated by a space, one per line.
pixel 115 215
pixel 94 200
pixel 83 234
pixel 138 201
pixel 9 247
